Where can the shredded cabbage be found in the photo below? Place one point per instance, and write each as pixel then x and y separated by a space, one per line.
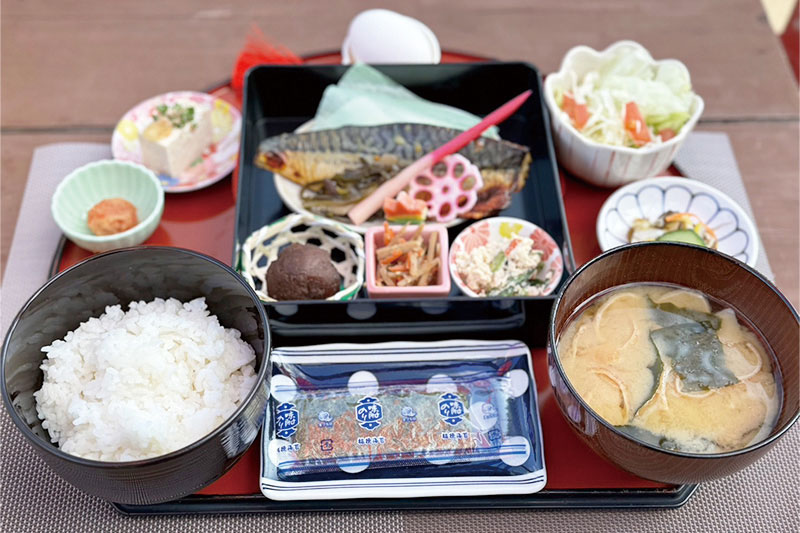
pixel 663 94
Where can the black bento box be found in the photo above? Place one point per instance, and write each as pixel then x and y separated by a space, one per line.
pixel 279 99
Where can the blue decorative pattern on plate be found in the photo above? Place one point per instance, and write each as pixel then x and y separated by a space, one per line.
pixel 651 198
pixel 402 419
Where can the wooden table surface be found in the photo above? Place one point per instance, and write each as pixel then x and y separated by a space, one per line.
pixel 71 69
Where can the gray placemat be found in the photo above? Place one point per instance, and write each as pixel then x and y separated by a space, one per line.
pixel 763 497
pixel 708 157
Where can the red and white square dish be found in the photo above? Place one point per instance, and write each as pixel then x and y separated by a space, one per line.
pixel 374 240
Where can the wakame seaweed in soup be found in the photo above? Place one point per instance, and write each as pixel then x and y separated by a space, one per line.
pixel 673 368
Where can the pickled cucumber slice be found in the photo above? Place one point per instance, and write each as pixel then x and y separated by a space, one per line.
pixel 683 235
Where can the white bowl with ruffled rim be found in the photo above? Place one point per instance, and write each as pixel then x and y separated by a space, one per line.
pixel 602 164
pixel 736 233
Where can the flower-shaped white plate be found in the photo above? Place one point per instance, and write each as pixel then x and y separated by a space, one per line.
pixel 651 198
pixel 601 164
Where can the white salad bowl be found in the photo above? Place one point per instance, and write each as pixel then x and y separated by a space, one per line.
pixel 736 233
pixel 482 232
pixel 602 164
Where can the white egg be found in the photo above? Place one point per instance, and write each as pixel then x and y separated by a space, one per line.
pixel 382 36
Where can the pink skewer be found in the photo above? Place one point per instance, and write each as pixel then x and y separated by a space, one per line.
pixel 492 119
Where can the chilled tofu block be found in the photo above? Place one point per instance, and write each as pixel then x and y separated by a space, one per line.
pixel 176 138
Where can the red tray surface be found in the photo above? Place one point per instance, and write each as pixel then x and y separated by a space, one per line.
pixel 204 220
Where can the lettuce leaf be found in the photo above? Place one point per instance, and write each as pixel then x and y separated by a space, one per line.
pixel 663 94
pixel 673 121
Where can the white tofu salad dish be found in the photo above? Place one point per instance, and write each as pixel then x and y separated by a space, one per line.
pixel 505 257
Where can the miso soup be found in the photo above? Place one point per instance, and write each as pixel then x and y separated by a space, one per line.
pixel 672 367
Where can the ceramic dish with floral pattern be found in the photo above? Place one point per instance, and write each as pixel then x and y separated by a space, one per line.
pixel 638 212
pixel 218 122
pixel 505 257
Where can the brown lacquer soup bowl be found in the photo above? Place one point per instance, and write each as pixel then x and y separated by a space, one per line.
pixel 719 277
pixel 119 277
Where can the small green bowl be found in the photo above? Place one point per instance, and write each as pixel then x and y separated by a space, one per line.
pixel 86 186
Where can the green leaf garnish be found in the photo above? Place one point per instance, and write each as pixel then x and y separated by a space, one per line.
pixel 178 115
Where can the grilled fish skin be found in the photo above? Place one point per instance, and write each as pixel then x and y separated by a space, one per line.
pixel 314 156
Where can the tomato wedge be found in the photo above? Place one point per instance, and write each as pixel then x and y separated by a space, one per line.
pixel 568 104
pixel 581 116
pixel 579 113
pixel 666 134
pixel 635 125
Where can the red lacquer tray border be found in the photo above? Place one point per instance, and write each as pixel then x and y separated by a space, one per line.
pixel 203 220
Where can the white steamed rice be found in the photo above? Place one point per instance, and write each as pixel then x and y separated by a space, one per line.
pixel 143 383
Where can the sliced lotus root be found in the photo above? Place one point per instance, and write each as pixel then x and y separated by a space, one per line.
pixel 450 187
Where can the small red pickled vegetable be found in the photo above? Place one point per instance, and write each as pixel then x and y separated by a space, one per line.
pixel 667 134
pixel 511 246
pixel 405 209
